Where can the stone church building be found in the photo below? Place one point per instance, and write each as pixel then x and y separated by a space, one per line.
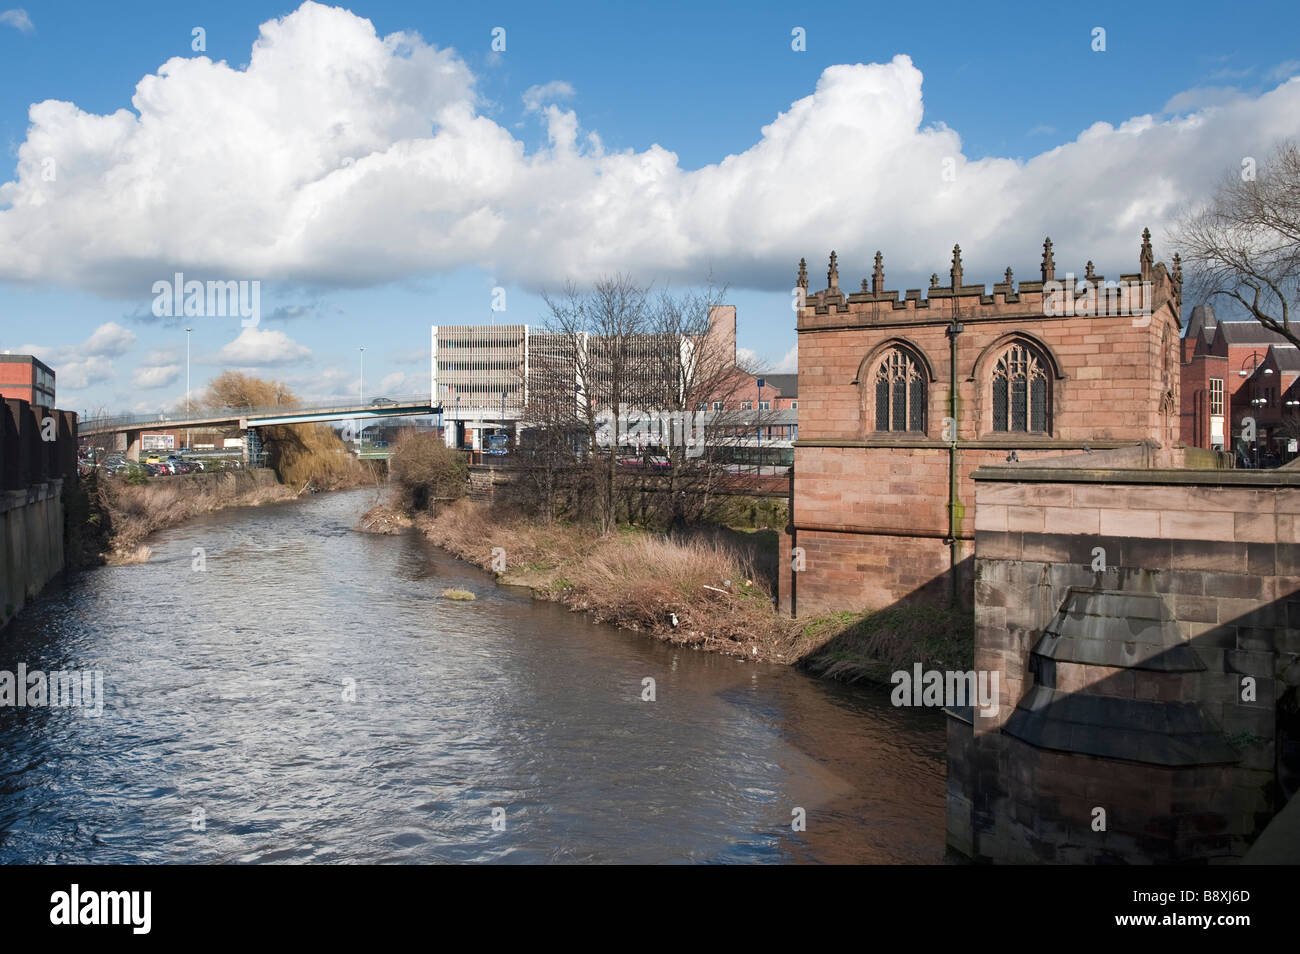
pixel 902 398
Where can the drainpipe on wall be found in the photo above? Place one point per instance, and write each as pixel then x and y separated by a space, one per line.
pixel 954 520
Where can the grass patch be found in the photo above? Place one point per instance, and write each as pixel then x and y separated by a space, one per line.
pixel 131 512
pixel 453 594
pixel 870 646
pixel 706 582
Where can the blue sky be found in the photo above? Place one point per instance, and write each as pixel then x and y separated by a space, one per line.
pixel 620 162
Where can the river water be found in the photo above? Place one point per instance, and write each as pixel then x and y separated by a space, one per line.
pixel 502 729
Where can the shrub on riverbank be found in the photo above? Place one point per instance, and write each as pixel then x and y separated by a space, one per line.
pixel 301 454
pixel 750 513
pixel 426 471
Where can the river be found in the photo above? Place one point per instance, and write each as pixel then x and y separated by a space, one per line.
pixel 280 688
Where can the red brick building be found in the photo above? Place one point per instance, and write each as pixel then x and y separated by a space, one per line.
pixel 26 378
pixel 1266 388
pixel 780 392
pixel 902 398
pixel 1223 373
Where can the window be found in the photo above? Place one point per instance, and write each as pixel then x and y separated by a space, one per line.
pixel 794 405
pixel 765 405
pixel 900 393
pixel 1216 395
pixel 1020 391
pixel 717 405
pixel 746 405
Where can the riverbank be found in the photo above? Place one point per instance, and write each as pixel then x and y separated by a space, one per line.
pixel 700 591
pixel 123 514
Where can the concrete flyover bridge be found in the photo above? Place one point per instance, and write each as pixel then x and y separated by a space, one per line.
pixel 249 419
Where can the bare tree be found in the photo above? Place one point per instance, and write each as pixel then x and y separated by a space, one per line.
pixel 1244 245
pixel 700 373
pixel 549 477
pixel 608 326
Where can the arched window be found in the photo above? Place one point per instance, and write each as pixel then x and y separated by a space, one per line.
pixel 900 393
pixel 1021 390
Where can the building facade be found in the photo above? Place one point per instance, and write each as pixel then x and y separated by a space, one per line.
pixel 902 398
pixel 485 377
pixel 26 378
pixel 1233 371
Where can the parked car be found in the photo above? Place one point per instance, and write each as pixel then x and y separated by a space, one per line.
pixel 380 401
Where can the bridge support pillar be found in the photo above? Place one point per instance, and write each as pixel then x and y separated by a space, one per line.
pixel 133 445
pixel 253 453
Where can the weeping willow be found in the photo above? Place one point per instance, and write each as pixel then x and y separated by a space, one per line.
pixel 299 453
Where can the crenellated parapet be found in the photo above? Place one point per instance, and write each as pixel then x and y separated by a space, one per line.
pixel 1052 296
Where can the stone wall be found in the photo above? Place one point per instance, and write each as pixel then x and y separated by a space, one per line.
pixel 1145 625
pixel 31 543
pixel 32 473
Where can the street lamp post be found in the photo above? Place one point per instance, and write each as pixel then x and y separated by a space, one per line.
pixel 361 388
pixel 1293 403
pixel 1256 401
pixel 760 427
pixel 189 436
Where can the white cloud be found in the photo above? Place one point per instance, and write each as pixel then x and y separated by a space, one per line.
pixel 1202 97
pixel 18 19
pixel 372 164
pixel 1232 74
pixel 749 358
pixel 168 355
pixel 156 376
pixel 109 340
pixel 81 365
pixel 255 348
pixel 1284 70
pixel 535 97
pixel 78 373
pixel 392 382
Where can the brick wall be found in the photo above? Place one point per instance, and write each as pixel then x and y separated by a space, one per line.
pixel 1216 553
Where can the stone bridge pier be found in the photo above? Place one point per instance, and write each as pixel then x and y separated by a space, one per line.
pixel 1145 625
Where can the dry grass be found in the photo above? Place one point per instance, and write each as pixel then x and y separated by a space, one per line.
pixel 383 519
pixel 453 594
pixel 134 511
pixel 870 646
pixel 128 556
pixel 700 593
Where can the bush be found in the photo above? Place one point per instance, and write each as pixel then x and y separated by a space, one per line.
pixel 427 471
